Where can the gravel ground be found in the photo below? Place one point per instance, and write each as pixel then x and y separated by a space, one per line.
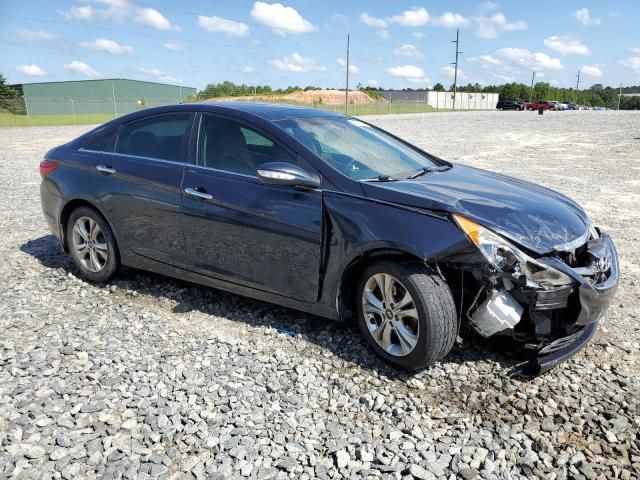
pixel 153 378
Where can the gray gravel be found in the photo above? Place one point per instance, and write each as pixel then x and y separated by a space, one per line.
pixel 149 377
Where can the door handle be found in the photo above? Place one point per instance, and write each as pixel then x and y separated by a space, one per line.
pixel 106 169
pixel 194 192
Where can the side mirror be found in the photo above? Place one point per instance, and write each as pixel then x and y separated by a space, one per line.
pixel 282 173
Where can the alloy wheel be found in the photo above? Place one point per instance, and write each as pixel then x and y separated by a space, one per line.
pixel 89 244
pixel 390 314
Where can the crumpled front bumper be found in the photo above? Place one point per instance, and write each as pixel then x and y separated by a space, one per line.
pixel 594 301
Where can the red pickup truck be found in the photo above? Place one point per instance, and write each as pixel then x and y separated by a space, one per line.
pixel 541 104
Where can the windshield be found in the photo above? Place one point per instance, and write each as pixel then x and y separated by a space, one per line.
pixel 357 150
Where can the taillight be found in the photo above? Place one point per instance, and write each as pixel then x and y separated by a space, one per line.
pixel 47 166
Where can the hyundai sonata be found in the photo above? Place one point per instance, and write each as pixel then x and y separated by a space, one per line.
pixel 331 215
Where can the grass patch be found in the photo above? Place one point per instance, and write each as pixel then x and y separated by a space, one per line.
pixel 10 120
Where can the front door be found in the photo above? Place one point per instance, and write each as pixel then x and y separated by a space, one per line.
pixel 139 186
pixel 241 230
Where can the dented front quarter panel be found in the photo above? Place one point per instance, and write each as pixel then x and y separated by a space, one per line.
pixel 358 225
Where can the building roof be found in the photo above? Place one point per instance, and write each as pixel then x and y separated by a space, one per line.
pixel 102 80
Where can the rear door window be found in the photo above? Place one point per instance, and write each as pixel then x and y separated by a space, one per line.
pixel 161 137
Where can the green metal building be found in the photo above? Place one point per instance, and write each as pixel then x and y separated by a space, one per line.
pixel 115 96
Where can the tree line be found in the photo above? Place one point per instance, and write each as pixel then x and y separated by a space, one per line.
pixel 596 96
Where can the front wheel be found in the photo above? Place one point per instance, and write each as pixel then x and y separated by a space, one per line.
pixel 406 313
pixel 92 245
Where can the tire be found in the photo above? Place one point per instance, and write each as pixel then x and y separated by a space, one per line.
pixel 436 322
pixel 100 240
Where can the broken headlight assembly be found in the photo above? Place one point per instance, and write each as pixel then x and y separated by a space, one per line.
pixel 506 257
pixel 515 280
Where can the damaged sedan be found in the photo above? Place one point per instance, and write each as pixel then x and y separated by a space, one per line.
pixel 333 216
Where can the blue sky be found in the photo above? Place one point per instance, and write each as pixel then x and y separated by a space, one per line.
pixel 303 42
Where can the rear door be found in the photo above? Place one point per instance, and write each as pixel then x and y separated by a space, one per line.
pixel 241 230
pixel 139 185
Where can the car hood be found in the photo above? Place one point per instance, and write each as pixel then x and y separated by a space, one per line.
pixel 533 216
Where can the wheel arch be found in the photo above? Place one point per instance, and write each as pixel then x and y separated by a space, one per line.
pixel 66 212
pixel 354 269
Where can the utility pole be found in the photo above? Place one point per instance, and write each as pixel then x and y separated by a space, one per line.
pixel 533 77
pixel 455 71
pixel 619 96
pixel 346 90
pixel 578 82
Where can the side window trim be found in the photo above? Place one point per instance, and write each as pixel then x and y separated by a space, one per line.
pixel 198 163
pixel 183 146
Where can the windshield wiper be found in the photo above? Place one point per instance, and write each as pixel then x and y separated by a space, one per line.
pixel 425 170
pixel 381 178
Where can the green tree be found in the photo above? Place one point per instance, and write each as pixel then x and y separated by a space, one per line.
pixel 438 87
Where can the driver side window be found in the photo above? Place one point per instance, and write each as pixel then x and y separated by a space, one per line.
pixel 231 146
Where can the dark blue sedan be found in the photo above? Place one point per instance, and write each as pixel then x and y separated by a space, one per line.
pixel 331 215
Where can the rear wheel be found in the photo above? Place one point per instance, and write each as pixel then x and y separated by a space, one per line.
pixel 406 313
pixel 92 245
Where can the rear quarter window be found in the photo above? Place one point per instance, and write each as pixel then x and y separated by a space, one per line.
pixel 102 143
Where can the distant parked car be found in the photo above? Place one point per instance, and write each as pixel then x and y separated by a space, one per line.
pixel 509 105
pixel 572 106
pixel 544 104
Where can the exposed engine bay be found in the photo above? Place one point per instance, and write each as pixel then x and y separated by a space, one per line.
pixel 545 302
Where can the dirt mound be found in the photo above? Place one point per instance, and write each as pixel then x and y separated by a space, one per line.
pixel 309 97
pixel 328 97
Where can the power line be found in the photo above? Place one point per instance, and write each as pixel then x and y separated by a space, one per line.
pixel 160 37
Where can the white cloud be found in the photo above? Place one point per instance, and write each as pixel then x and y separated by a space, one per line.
pixel 36 35
pixel 174 46
pixel 584 17
pixel 632 63
pixel 504 78
pixel 416 17
pixel 223 25
pixel 489 27
pixel 31 70
pixel 450 72
pixel 536 61
pixel 106 45
pixel 408 50
pixel 566 45
pixel 353 70
pixel 282 20
pixel 450 20
pixel 489 6
pixel 487 61
pixel 417 35
pixel 158 75
pixel 118 11
pixel 382 33
pixel 410 73
pixel 634 49
pixel 247 69
pixel 153 18
pixel 81 68
pixel 591 70
pixel 373 83
pixel 297 63
pixel 373 22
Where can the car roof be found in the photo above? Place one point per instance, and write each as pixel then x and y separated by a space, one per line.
pixel 268 111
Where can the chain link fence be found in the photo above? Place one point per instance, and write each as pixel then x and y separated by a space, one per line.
pixel 23 111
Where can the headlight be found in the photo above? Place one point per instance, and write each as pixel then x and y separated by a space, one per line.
pixel 506 257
